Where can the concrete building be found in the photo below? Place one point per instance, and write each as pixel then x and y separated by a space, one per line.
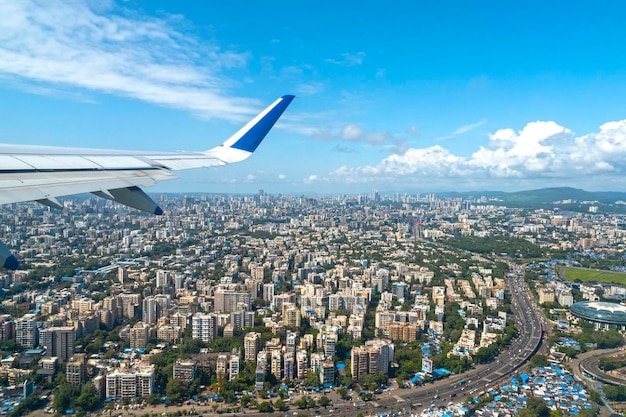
pixel 221 367
pixel 150 311
pixel 139 335
pixel 327 372
pixel 59 342
pixel 26 331
pixel 130 384
pixel 241 319
pixel 289 365
pixel 185 370
pixel 76 369
pixel 276 361
pixel 234 364
pixel 375 356
pixel 229 301
pixel 292 317
pixel 204 327
pixel 546 295
pixel 301 364
pixel 268 292
pixel 251 345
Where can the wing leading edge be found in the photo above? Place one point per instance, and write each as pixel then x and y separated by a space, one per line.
pixel 30 173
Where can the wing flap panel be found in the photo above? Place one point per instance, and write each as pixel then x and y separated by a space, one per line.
pixel 50 162
pixel 34 186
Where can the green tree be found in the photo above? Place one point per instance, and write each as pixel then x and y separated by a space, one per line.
pixel 175 389
pixel 311 380
pixel 89 398
pixel 280 405
pixel 324 401
pixel 64 396
pixel 265 407
pixel 539 360
pixel 534 408
pixel 300 403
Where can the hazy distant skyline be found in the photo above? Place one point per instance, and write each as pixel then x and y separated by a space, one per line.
pixel 400 96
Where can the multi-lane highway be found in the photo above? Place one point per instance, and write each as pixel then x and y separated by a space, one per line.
pixel 529 320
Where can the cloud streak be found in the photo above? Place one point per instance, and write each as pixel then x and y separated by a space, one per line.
pixel 68 45
pixel 348 59
pixel 463 129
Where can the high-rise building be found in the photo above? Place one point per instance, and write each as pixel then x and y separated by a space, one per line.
pixel 257 272
pixel 268 292
pixel 6 327
pixel 169 333
pixel 76 369
pixel 289 365
pixel 229 301
pixel 122 274
pixel 301 364
pixel 403 331
pixel 130 384
pixel 59 342
pixel 129 303
pixel 139 335
pixel 255 286
pixel 291 316
pixel 383 320
pixel 150 310
pixel 375 356
pixel 385 353
pixel 162 279
pixel 329 342
pixel 327 372
pixel 204 327
pixel 276 364
pixel 179 281
pixel 26 331
pixel 110 304
pixel 185 370
pixel 242 319
pixel 251 345
pixel 290 342
pixel 233 364
pixel 181 320
pixel 221 367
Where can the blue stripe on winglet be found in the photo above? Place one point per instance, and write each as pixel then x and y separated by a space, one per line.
pixel 11 263
pixel 251 139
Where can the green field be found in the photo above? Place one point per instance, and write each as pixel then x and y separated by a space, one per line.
pixel 592 275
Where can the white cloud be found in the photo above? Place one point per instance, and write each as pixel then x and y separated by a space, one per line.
pixel 282 176
pixel 348 59
pixel 68 45
pixel 310 89
pixel 540 151
pixel 351 133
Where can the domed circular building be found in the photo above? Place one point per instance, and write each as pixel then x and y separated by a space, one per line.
pixel 602 314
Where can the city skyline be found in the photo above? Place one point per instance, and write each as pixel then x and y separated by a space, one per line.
pixel 410 98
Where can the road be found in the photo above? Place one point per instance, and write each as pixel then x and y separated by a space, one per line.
pixel 529 320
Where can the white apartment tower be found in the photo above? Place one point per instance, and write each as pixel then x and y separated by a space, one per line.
pixel 204 327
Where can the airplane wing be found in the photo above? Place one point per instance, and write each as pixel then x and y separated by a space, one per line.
pixel 35 173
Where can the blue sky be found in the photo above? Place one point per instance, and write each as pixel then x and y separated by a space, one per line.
pixel 400 96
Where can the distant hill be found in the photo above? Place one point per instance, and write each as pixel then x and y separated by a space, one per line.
pixel 545 197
